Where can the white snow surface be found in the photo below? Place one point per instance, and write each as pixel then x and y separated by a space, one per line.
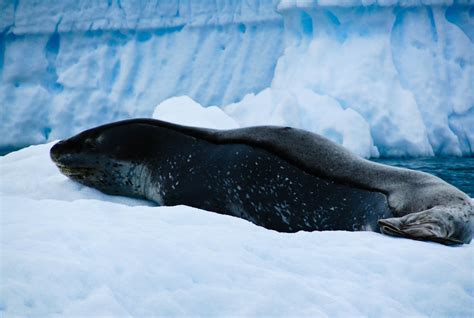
pixel 185 111
pixel 381 77
pixel 71 251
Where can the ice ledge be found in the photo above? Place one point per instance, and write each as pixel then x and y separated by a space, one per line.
pixel 27 16
pixel 285 5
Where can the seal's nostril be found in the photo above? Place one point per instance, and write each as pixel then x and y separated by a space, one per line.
pixel 56 150
pixel 54 153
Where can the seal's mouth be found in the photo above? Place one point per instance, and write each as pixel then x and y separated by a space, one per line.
pixel 73 170
pixel 76 172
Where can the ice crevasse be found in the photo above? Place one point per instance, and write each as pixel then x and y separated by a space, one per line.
pixel 382 78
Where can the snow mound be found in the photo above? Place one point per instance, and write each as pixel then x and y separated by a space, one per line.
pixel 72 251
pixel 303 108
pixel 316 113
pixel 184 110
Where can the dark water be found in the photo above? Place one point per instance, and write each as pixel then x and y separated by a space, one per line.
pixel 6 150
pixel 457 171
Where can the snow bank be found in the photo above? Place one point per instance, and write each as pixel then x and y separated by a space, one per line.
pixel 306 109
pixel 68 250
pixel 185 111
pixel 384 77
pixel 276 110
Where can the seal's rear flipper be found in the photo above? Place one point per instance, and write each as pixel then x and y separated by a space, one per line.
pixel 390 227
pixel 437 224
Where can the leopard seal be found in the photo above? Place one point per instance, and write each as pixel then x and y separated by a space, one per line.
pixel 281 178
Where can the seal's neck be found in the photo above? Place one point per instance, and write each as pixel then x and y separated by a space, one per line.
pixel 147 188
pixel 134 180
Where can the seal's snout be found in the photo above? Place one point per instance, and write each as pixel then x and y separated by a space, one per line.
pixel 55 152
pixel 63 151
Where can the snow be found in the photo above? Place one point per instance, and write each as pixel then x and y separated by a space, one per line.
pixel 68 250
pixel 381 77
pixel 185 111
pixel 305 109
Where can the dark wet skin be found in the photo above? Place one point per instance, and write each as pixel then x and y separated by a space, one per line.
pixel 280 178
pixel 255 185
pixel 233 179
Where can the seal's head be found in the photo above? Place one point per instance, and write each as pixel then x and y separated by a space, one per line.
pixel 110 158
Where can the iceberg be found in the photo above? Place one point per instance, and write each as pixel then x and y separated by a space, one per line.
pixel 388 78
pixel 71 65
pixel 391 77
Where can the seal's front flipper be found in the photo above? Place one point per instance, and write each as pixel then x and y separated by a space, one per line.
pixel 440 224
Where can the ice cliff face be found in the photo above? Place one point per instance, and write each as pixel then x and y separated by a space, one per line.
pixel 74 64
pixel 392 78
pixel 397 77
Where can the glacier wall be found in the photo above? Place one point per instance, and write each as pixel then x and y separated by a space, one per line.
pixel 69 65
pixel 381 80
pixel 386 77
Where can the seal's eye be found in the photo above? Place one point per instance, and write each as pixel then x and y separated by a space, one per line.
pixel 90 144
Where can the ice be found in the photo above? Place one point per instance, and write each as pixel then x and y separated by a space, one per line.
pixel 305 109
pixel 70 65
pixel 381 77
pixel 72 251
pixel 308 4
pixel 283 109
pixel 403 71
pixel 185 111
